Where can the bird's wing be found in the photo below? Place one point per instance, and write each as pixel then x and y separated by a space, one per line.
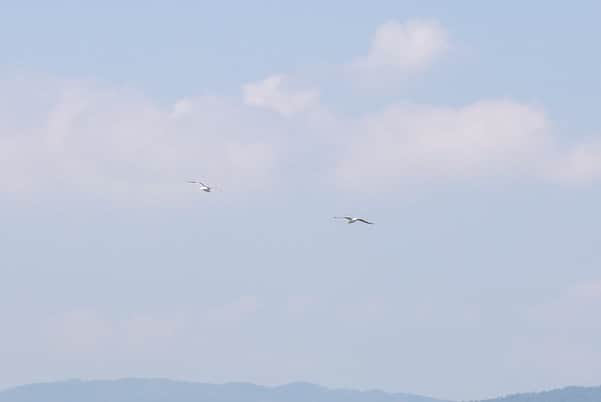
pixel 191 181
pixel 201 183
pixel 364 221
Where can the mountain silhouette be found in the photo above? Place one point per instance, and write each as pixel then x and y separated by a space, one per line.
pixel 162 390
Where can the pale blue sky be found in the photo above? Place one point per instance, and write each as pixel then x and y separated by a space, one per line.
pixel 479 278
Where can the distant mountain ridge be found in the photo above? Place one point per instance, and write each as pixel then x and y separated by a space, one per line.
pixel 162 390
pixel 568 394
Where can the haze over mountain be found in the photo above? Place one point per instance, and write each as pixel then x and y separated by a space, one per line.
pixel 162 390
pixel 568 394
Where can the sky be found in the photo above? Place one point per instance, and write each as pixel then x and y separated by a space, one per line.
pixel 469 133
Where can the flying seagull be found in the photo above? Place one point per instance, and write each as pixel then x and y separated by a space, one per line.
pixel 350 219
pixel 203 186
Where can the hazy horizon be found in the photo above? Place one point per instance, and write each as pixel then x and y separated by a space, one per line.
pixel 468 133
pixel 163 389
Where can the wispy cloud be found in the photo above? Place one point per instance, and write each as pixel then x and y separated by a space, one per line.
pixel 400 49
pixel 275 93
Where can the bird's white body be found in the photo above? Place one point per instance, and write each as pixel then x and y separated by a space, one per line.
pixel 203 186
pixel 350 219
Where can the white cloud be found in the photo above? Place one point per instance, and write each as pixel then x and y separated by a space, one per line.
pixel 484 138
pixel 580 164
pixel 275 93
pixel 401 49
pixel 77 137
pixel 181 108
pixel 114 143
